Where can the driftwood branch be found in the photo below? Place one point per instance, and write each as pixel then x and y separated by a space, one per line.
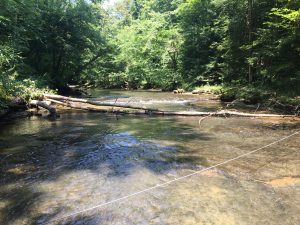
pixel 91 102
pixel 90 105
pixel 45 105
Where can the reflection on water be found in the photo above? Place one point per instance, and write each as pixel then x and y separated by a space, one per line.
pixel 52 168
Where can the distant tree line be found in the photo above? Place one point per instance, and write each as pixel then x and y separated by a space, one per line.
pixel 151 44
pixel 165 43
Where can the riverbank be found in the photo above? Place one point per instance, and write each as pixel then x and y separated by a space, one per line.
pixel 15 108
pixel 152 102
pixel 255 96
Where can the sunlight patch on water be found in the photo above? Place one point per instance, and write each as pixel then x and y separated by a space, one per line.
pixel 285 181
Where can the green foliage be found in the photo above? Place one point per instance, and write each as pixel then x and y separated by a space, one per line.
pixel 215 89
pixel 203 30
pixel 10 84
pixel 9 62
pixel 250 94
pixel 55 41
pixel 278 47
pixel 171 44
pixel 28 89
pixel 148 48
pixel 244 44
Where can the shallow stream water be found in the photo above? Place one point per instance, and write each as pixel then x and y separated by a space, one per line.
pixel 53 168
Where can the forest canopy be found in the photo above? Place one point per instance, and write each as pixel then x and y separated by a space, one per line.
pixel 167 44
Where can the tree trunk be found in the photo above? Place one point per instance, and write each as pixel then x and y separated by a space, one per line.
pixel 97 103
pixel 45 105
pixel 249 22
pixel 84 104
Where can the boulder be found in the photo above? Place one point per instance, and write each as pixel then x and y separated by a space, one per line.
pixel 17 104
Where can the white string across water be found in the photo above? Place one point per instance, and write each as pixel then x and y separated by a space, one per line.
pixel 171 181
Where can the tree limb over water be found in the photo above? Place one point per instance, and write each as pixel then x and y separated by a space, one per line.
pixel 123 108
pixel 45 105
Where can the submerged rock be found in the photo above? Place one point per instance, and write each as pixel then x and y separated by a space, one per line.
pixel 179 91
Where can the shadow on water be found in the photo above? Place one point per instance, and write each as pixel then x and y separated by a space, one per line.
pixel 82 221
pixel 20 201
pixel 34 151
pixel 106 217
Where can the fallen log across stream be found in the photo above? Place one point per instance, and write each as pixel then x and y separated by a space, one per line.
pixel 125 108
pixel 91 102
pixel 44 104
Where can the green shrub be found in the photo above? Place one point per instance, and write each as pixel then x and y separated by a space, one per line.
pixel 216 89
pixel 27 89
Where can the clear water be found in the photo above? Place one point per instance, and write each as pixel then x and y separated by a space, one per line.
pixel 50 169
pixel 158 100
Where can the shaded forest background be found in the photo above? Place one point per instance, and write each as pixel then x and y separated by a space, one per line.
pixel 250 48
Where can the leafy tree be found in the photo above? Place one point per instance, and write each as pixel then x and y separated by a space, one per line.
pixel 149 47
pixel 203 32
pixel 56 40
pixel 277 47
pixel 150 43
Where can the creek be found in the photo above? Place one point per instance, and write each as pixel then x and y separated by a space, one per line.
pixel 51 168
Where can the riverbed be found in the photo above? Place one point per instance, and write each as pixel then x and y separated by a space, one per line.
pixel 51 169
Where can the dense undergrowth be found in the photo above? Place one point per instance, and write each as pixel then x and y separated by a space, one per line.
pixel 239 49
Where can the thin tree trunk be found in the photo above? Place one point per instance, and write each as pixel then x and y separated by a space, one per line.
pixel 44 105
pixel 84 104
pixel 249 22
pixel 97 103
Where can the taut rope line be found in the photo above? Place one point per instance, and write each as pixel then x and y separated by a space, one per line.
pixel 172 181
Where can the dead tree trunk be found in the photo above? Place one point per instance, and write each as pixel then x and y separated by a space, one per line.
pixel 83 104
pixel 45 105
pixel 97 103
